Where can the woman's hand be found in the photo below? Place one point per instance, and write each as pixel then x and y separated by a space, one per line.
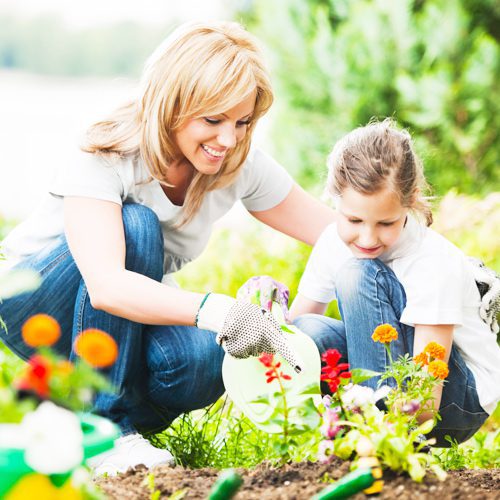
pixel 245 329
pixel 263 291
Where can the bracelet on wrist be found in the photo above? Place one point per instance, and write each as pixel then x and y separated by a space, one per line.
pixel 197 317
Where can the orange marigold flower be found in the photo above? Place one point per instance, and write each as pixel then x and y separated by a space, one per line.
pixel 96 347
pixel 384 334
pixel 41 330
pixel 438 369
pixel 421 359
pixel 435 350
pixel 65 367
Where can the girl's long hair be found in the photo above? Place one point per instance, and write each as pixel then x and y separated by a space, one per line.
pixel 201 69
pixel 377 156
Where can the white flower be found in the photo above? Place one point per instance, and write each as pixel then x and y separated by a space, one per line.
pixel 54 439
pixel 359 395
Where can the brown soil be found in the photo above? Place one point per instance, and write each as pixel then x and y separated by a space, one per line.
pixel 298 481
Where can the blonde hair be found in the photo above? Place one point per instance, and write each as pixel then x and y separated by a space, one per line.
pixel 201 69
pixel 377 156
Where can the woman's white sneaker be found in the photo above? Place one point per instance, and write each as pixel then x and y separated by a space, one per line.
pixel 129 451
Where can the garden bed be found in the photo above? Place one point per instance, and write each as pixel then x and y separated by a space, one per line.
pixel 297 481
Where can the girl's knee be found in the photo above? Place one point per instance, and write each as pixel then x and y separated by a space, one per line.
pixel 355 272
pixel 327 333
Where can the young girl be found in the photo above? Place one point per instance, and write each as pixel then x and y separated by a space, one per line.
pixel 136 205
pixel 383 264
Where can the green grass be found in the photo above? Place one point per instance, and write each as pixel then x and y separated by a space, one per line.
pixel 481 451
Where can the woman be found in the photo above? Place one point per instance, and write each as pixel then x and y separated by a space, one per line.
pixel 135 206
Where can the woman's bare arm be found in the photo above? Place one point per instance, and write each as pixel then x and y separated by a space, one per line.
pixel 94 230
pixel 299 215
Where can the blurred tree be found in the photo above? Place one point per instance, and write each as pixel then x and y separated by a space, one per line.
pixel 431 64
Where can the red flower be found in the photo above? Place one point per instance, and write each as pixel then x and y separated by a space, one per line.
pixel 334 371
pixel 266 359
pixel 273 373
pixel 36 376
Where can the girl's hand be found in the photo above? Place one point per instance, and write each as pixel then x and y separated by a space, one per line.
pixel 245 329
pixel 263 291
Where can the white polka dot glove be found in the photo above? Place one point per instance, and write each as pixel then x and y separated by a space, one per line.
pixel 244 329
pixel 488 284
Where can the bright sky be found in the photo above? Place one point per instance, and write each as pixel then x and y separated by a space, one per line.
pixel 82 13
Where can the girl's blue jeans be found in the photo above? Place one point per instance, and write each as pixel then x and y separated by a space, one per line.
pixel 161 371
pixel 369 294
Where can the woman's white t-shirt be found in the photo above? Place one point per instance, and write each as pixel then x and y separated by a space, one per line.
pixel 261 184
pixel 440 290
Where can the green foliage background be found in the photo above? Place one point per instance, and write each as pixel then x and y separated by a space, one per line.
pixel 432 64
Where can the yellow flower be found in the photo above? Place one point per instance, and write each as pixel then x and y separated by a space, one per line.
pixel 438 369
pixel 41 330
pixel 96 347
pixel 435 350
pixel 421 359
pixel 38 486
pixel 384 334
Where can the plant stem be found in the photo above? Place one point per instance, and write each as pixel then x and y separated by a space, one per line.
pixel 285 407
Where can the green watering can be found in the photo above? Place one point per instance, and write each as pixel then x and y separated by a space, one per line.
pixel 99 435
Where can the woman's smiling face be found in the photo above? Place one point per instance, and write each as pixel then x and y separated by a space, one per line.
pixel 370 224
pixel 205 141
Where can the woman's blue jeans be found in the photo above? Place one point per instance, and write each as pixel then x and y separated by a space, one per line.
pixel 369 294
pixel 161 371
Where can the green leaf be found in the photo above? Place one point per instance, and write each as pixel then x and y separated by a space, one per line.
pixel 415 468
pixel 287 330
pixel 426 427
pixel 261 399
pixel 311 389
pixel 360 375
pixel 309 416
pixel 178 495
pixel 439 471
pixel 398 445
pixel 278 421
pixel 296 431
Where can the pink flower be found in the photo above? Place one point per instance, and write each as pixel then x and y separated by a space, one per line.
pixel 330 429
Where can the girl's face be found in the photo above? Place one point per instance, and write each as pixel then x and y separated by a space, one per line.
pixel 205 141
pixel 370 224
